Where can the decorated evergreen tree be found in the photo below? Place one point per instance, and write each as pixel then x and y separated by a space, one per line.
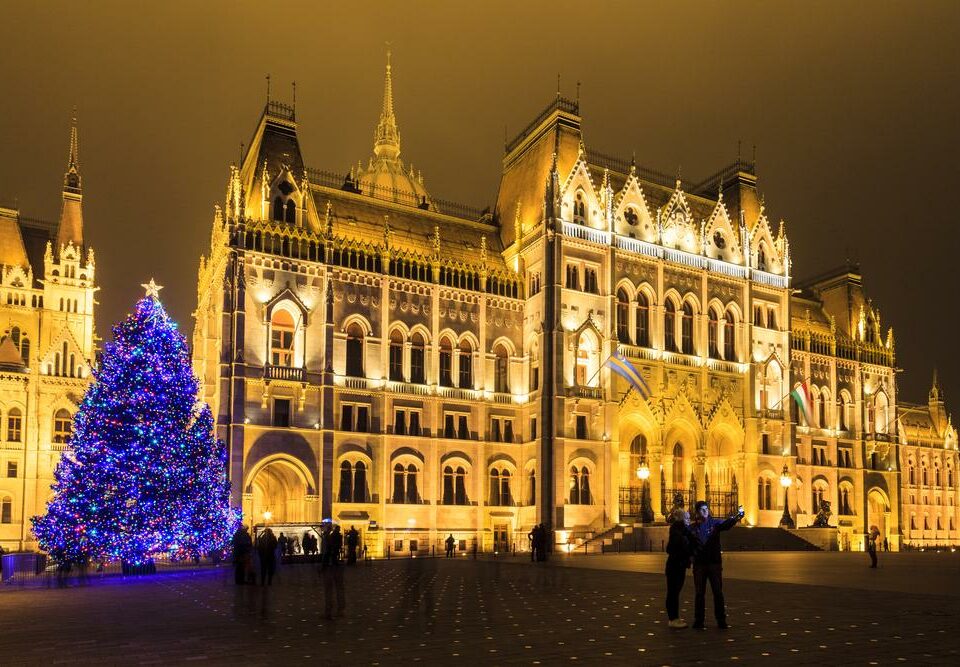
pixel 144 474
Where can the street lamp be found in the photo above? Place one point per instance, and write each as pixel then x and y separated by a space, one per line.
pixel 785 481
pixel 643 474
pixel 267 516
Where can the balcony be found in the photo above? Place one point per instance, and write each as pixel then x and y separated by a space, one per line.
pixel 409 388
pixel 284 373
pixel 458 393
pixel 585 392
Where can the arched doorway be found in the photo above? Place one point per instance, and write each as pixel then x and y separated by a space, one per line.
pixel 878 511
pixel 280 489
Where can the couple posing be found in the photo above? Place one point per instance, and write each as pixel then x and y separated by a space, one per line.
pixel 696 542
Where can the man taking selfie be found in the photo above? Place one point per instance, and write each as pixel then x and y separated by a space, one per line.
pixel 707 564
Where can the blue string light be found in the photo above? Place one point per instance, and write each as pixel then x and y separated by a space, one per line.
pixel 144 474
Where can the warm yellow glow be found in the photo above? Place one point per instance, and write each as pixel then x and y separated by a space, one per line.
pixel 267 515
pixel 643 471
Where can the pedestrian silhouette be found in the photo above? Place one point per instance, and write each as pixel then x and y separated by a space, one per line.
pixel 267 552
pixel 331 571
pixel 242 554
pixel 707 563
pixel 353 541
pixel 680 552
pixel 450 542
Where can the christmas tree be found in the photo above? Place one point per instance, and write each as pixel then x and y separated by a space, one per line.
pixel 144 474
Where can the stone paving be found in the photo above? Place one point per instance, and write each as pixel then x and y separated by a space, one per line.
pixel 498 612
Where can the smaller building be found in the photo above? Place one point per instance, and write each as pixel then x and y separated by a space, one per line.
pixel 47 287
pixel 929 481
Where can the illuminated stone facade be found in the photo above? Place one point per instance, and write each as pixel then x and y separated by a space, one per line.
pixel 406 365
pixel 47 287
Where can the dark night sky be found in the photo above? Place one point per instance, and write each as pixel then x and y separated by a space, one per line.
pixel 853 108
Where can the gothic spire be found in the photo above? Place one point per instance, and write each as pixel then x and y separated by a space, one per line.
pixel 387 143
pixel 71 213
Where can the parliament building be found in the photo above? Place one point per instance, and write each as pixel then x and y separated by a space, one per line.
pixel 416 368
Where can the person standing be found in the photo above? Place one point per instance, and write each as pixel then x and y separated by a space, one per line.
pixel 532 536
pixel 267 552
pixel 707 563
pixel 873 537
pixel 331 569
pixel 680 550
pixel 242 554
pixel 450 542
pixel 353 541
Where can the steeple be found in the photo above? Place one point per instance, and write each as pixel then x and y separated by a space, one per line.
pixel 71 213
pixel 387 142
pixel 938 409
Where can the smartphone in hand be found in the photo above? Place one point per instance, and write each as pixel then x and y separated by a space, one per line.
pixel 740 511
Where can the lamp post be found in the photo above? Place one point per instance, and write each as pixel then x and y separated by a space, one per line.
pixel 643 474
pixel 785 481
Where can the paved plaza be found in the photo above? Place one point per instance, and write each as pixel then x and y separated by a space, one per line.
pixel 437 611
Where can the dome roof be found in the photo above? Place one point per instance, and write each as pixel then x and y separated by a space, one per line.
pixel 385 176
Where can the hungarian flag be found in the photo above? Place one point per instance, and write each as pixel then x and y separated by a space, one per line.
pixel 801 394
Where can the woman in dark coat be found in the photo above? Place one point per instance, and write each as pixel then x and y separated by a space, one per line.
pixel 680 551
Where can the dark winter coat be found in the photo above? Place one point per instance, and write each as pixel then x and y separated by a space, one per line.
pixel 267 546
pixel 707 534
pixel 681 546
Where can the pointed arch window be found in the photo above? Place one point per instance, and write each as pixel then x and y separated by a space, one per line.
pixel 346 483
pixel 713 335
pixel 642 324
pixel 14 425
pixel 454 485
pixel 764 494
pixel 291 215
pixel 355 350
pixel 417 351
pixel 396 356
pixel 623 316
pixel 670 327
pixel 446 363
pixel 501 378
pixel 678 477
pixel 532 487
pixel 579 209
pixel 686 329
pixel 278 208
pixel 466 365
pixel 534 367
pixel 500 494
pixel 282 332
pixel 729 336
pixel 62 426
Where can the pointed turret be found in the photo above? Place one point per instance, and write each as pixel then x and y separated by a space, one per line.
pixel 387 141
pixel 938 409
pixel 71 213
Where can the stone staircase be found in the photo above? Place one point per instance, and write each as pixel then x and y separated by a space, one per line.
pixel 636 537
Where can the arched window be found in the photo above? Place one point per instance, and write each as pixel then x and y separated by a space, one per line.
pixel 466 365
pixel 585 486
pixel 278 208
pixel 506 497
pixel 772 318
pixel 729 336
pixel 950 477
pixel 346 483
pixel 501 378
pixel 22 344
pixel 360 482
pixel 585 372
pixel 579 209
pixel 686 329
pixel 417 352
pixel 413 494
pixel 623 316
pixel 399 483
pixel 670 326
pixel 460 486
pixel 936 474
pixel 355 350
pixel 291 211
pixel 532 487
pixel 574 485
pixel 881 413
pixel 14 425
pixel 765 494
pixel 842 417
pixel 282 330
pixel 396 356
pixel 447 498
pixel 678 478
pixel 923 473
pixel 638 450
pixel 713 335
pixel 62 426
pixel 642 328
pixel 910 473
pixel 446 363
pixel 494 487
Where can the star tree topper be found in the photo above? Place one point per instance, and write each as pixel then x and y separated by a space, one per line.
pixel 152 288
